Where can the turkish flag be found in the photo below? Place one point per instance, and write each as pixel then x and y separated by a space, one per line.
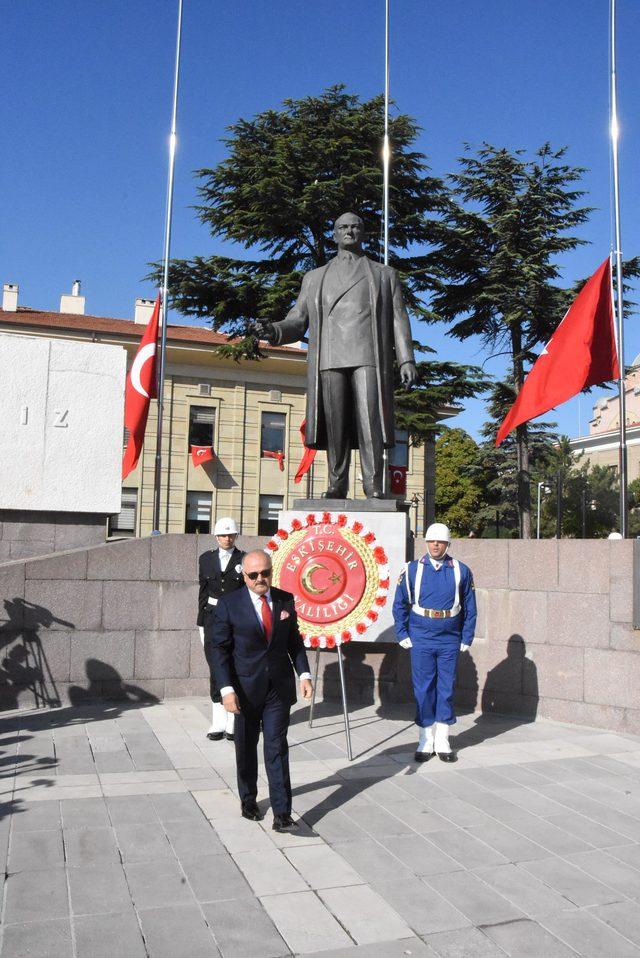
pixel 307 456
pixel 275 455
pixel 582 352
pixel 200 454
pixel 140 390
pixel 398 480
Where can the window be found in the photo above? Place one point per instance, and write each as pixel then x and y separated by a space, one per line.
pixel 399 455
pixel 272 432
pixel 124 524
pixel 198 517
pixel 270 506
pixel 202 423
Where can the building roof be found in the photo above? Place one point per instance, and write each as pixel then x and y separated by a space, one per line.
pixel 119 327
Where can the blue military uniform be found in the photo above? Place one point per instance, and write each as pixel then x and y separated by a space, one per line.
pixel 447 596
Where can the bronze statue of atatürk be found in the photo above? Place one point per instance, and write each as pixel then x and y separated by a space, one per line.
pixel 354 315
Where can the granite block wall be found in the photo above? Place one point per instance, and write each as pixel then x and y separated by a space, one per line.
pixel 111 621
pixel 555 634
pixel 28 533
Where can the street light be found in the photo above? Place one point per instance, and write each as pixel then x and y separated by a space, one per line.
pixel 592 505
pixel 547 489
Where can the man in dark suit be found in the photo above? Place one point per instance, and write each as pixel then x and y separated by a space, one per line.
pixel 354 315
pixel 256 645
pixel 220 573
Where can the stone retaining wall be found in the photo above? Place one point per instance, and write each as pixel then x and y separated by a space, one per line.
pixel 554 636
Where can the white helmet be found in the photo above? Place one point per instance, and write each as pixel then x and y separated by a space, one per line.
pixel 226 527
pixel 438 532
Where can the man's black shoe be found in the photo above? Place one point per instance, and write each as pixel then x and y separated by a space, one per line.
pixel 215 736
pixel 229 736
pixel 447 756
pixel 251 811
pixel 283 823
pixel 423 756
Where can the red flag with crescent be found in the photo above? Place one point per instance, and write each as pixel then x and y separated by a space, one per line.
pixel 582 352
pixel 307 457
pixel 201 454
pixel 140 390
pixel 398 480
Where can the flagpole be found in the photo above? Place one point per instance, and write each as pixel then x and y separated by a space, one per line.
pixel 386 159
pixel 615 130
pixel 386 150
pixel 165 280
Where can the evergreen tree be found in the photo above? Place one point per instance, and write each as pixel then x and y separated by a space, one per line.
pixel 459 492
pixel 440 384
pixel 496 266
pixel 499 466
pixel 590 495
pixel 288 175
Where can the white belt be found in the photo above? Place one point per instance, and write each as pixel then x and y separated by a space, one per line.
pixel 436 613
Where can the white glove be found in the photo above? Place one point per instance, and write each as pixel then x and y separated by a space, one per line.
pixel 201 633
pixel 405 643
pixel 464 648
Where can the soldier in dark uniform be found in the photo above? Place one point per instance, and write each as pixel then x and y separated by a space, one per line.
pixel 220 573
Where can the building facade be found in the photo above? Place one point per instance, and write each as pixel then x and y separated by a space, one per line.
pixel 602 443
pixel 250 413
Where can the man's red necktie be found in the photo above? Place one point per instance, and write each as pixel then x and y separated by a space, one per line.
pixel 267 618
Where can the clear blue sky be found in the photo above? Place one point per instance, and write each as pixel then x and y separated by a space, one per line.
pixel 87 93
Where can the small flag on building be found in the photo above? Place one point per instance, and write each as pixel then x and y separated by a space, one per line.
pixel 140 389
pixel 582 352
pixel 307 456
pixel 202 454
pixel 398 480
pixel 267 454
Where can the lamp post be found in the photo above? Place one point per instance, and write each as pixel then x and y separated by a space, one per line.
pixel 542 486
pixel 558 478
pixel 590 505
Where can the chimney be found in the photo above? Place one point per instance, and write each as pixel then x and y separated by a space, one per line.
pixel 10 297
pixel 143 311
pixel 73 302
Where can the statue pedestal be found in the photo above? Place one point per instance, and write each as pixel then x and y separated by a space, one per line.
pixel 341 559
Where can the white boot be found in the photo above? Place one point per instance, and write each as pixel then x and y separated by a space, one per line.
pixel 425 747
pixel 231 721
pixel 442 747
pixel 218 721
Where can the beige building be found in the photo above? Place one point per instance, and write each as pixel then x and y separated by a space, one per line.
pixel 249 412
pixel 601 445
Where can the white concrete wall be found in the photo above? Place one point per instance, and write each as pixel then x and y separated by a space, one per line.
pixel 62 424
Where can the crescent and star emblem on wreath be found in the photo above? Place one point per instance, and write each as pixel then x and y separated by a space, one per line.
pixel 337 572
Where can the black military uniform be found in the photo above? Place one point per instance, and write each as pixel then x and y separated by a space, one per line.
pixel 214 582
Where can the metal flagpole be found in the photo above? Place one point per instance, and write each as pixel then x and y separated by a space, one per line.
pixel 386 159
pixel 386 150
pixel 615 130
pixel 165 281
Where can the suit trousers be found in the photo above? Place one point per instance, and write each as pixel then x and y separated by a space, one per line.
pixel 214 689
pixel 273 715
pixel 347 393
pixel 433 670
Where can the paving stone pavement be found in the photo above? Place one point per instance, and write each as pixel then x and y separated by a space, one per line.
pixel 121 834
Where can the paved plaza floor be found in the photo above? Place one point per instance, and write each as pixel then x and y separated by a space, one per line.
pixel 121 833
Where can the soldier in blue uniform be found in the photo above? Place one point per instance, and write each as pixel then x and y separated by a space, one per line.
pixel 434 611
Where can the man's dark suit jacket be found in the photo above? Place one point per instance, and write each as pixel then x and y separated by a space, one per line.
pixel 214 582
pixel 245 660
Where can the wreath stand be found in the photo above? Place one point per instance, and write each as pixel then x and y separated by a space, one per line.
pixel 343 690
